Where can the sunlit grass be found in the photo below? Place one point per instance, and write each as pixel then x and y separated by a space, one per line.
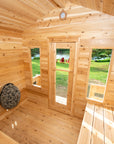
pixel 35 66
pixel 99 71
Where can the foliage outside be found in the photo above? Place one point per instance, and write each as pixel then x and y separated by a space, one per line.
pixel 35 51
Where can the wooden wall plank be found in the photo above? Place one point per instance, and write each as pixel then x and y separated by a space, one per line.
pixel 95 30
pixel 11 61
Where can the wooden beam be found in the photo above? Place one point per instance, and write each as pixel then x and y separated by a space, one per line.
pixel 86 18
pixel 54 3
pixel 60 3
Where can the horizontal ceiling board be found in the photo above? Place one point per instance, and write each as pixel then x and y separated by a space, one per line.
pixel 22 14
pixel 10 14
pixel 106 6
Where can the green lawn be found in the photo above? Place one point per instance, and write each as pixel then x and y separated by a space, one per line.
pixel 62 65
pixel 35 66
pixel 61 76
pixel 98 71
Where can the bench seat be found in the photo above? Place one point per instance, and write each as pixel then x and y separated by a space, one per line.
pixel 97 126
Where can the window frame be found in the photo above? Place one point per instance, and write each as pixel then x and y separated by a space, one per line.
pixel 109 70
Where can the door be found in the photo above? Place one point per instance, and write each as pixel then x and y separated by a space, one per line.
pixel 61 71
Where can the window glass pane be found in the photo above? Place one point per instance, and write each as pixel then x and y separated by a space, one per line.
pixel 35 58
pixel 61 86
pixel 62 58
pixel 98 73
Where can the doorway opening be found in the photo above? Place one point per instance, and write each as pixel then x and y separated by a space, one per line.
pixel 61 72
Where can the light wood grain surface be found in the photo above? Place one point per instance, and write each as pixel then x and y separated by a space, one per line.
pixel 32 122
pixel 97 126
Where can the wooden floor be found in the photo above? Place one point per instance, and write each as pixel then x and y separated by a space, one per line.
pixel 33 123
pixel 4 139
pixel 97 126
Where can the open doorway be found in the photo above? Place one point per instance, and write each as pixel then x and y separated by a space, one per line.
pixel 98 74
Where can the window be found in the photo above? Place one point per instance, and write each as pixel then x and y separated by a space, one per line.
pixel 35 59
pixel 98 73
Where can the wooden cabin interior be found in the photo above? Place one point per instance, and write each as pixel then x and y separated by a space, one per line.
pixel 41 117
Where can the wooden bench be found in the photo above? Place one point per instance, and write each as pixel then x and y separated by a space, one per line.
pixel 97 126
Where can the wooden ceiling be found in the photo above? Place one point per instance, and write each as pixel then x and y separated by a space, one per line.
pixel 17 15
pixel 105 6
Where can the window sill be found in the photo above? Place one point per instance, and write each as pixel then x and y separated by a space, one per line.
pixel 38 86
pixel 95 100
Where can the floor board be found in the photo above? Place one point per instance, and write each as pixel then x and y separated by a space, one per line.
pixel 4 139
pixel 32 123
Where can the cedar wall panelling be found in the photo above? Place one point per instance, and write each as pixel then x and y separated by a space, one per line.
pixel 84 56
pixel 81 81
pixel 11 61
pixel 90 27
pixel 44 65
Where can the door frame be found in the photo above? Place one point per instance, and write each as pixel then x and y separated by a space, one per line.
pixel 61 42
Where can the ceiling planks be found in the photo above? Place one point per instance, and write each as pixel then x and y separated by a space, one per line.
pixel 105 6
pixel 20 14
pixel 10 14
pixel 54 3
pixel 87 23
pixel 60 3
